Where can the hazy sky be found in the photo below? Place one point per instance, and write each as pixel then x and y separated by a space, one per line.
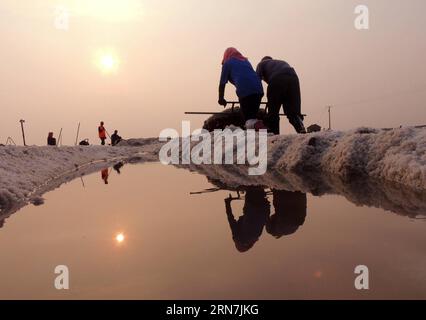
pixel 166 54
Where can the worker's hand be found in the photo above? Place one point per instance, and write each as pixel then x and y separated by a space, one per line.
pixel 229 199
pixel 222 102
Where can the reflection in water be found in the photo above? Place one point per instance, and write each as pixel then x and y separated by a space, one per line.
pixel 120 238
pixel 288 216
pixel 118 167
pixel 143 247
pixel 290 213
pixel 249 227
pixel 105 175
pixel 361 190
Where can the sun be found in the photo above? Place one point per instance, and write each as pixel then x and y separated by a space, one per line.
pixel 107 62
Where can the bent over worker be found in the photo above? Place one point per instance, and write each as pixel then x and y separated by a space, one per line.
pixel 237 70
pixel 283 89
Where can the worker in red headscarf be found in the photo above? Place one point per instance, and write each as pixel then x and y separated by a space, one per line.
pixel 237 70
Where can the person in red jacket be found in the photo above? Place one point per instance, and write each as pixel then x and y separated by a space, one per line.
pixel 102 133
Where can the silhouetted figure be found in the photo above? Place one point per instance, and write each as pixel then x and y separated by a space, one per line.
pixel 84 142
pixel 290 213
pixel 249 227
pixel 314 128
pixel 51 141
pixel 283 89
pixel 105 175
pixel 115 138
pixel 102 133
pixel 118 166
pixel 237 70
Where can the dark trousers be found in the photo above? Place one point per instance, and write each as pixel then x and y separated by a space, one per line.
pixel 250 106
pixel 284 90
pixel 103 141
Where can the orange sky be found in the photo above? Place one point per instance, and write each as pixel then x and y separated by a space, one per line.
pixel 168 57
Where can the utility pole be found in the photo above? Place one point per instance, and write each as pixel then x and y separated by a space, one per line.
pixel 23 131
pixel 329 117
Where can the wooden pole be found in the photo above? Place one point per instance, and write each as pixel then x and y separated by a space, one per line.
pixel 329 117
pixel 23 131
pixel 222 113
pixel 233 105
pixel 59 138
pixel 78 132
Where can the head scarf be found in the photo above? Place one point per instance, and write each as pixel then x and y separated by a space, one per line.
pixel 232 53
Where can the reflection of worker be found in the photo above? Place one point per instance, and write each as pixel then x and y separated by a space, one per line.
pixel 102 133
pixel 117 167
pixel 249 227
pixel 290 213
pixel 105 175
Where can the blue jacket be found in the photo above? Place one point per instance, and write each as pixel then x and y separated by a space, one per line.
pixel 242 75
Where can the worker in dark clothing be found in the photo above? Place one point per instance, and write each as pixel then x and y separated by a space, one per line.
pixel 290 213
pixel 283 89
pixel 115 138
pixel 249 227
pixel 51 141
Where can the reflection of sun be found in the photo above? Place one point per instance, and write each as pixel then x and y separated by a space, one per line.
pixel 120 238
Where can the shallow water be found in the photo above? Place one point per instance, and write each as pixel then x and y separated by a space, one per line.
pixel 180 246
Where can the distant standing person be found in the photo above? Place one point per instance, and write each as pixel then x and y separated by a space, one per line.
pixel 283 89
pixel 51 141
pixel 115 138
pixel 237 69
pixel 102 133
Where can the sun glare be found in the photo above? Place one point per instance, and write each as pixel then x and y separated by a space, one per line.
pixel 119 238
pixel 107 62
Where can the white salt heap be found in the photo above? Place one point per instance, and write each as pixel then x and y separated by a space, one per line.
pixel 397 156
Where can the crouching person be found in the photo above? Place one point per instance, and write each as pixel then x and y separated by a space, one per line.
pixel 115 138
pixel 283 89
pixel 51 141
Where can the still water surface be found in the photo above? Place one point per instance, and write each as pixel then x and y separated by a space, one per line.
pixel 141 234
